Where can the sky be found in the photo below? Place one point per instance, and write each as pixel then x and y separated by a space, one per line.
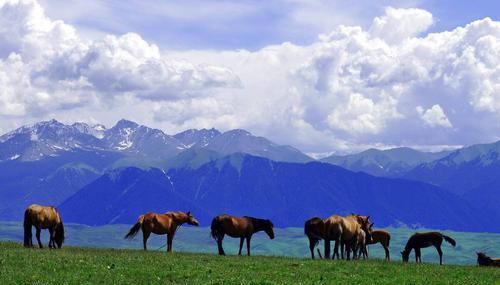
pixel 323 76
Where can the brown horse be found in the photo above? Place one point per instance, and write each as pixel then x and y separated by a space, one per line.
pixel 43 218
pixel 422 240
pixel 360 246
pixel 344 230
pixel 243 228
pixel 484 260
pixel 161 224
pixel 314 229
pixel 383 237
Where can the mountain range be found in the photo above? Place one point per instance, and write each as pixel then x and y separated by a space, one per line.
pixel 98 175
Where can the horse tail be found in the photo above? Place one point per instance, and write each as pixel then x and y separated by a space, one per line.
pixel 309 232
pixel 135 229
pixel 450 240
pixel 27 227
pixel 214 228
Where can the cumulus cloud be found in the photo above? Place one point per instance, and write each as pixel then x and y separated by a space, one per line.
pixel 351 88
pixel 434 116
pixel 45 66
pixel 400 24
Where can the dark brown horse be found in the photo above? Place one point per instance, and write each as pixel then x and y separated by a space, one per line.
pixel 383 237
pixel 43 218
pixel 243 228
pixel 161 224
pixel 422 240
pixel 484 260
pixel 314 229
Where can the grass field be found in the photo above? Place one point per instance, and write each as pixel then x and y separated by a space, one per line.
pixel 74 265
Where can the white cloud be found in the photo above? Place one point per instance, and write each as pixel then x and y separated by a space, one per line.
pixel 401 24
pixel 45 66
pixel 434 116
pixel 352 87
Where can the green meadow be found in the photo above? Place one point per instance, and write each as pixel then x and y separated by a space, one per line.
pixel 78 265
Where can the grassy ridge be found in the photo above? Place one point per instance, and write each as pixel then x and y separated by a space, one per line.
pixel 72 265
pixel 289 242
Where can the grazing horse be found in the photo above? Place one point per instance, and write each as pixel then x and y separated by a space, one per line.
pixel 243 228
pixel 422 240
pixel 161 224
pixel 314 229
pixel 383 237
pixel 345 230
pixel 43 218
pixel 484 260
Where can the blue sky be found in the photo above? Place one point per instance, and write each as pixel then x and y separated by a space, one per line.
pixel 216 24
pixel 323 76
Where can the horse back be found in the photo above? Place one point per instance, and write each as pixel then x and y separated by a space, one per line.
pixel 235 226
pixel 43 216
pixel 381 236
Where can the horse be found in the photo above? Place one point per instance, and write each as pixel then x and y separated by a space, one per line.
pixel 345 230
pixel 243 228
pixel 161 224
pixel 360 246
pixel 43 217
pixel 422 240
pixel 383 237
pixel 314 229
pixel 484 260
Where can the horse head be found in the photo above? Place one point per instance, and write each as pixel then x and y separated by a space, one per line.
pixel 269 228
pixel 405 255
pixel 191 220
pixel 59 234
pixel 366 226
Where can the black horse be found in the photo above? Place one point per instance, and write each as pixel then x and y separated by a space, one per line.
pixel 236 227
pixel 422 240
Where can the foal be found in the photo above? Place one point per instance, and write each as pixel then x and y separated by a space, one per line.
pixel 422 240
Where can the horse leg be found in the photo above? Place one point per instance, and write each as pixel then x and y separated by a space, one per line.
pixel 342 249
pixel 248 245
pixel 51 241
pixel 327 249
pixel 170 238
pixel 387 254
pixel 440 252
pixel 38 231
pixel 242 240
pixel 145 236
pixel 336 249
pixel 417 255
pixel 312 242
pixel 219 245
pixel 348 249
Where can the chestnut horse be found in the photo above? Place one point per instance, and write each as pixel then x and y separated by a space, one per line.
pixel 43 217
pixel 243 228
pixel 484 260
pixel 422 240
pixel 360 248
pixel 314 229
pixel 161 224
pixel 383 237
pixel 345 230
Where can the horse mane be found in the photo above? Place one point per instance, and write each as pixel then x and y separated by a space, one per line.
pixel 257 221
